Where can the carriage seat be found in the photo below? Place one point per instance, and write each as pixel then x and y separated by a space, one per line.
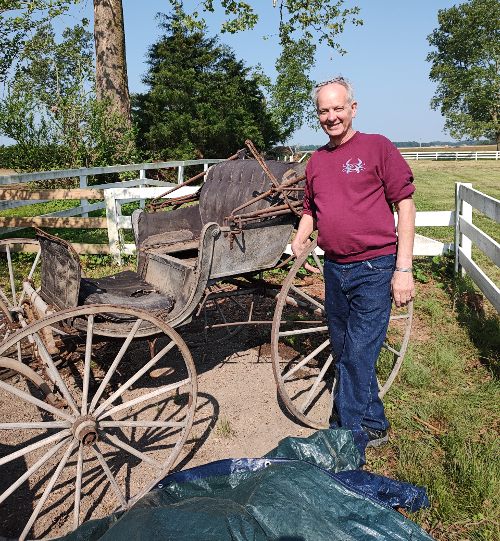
pixel 63 286
pixel 227 185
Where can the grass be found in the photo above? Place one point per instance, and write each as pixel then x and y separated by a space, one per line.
pixel 445 409
pixel 223 429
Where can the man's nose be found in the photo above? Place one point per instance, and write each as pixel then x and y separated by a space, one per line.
pixel 331 115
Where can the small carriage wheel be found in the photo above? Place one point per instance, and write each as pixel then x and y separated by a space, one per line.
pixel 221 308
pixel 302 361
pixel 103 429
pixel 14 269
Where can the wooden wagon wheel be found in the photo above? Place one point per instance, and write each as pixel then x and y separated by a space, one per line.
pixel 302 361
pixel 115 424
pixel 16 266
pixel 222 307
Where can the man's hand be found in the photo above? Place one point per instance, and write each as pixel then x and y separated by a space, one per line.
pixel 402 287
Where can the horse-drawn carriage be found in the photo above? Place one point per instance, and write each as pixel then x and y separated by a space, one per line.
pixel 99 391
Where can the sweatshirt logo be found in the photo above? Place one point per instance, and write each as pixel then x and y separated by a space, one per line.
pixel 349 167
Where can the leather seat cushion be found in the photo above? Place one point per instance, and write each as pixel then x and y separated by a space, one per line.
pixel 126 289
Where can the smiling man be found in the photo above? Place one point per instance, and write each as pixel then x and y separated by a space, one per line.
pixel 353 184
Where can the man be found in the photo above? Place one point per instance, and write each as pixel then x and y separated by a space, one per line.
pixel 353 183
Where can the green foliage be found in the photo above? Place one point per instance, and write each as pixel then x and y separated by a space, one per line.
pixel 302 26
pixel 466 66
pixel 201 101
pixel 19 20
pixel 50 110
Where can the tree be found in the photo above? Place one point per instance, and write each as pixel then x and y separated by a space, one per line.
pixel 111 64
pixel 19 21
pixel 201 100
pixel 466 66
pixel 303 25
pixel 49 107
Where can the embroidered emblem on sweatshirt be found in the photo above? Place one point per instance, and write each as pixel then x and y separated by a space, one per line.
pixel 349 167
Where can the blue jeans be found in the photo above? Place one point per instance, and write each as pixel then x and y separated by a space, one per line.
pixel 358 307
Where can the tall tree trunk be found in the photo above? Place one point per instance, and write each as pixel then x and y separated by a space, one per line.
pixel 111 64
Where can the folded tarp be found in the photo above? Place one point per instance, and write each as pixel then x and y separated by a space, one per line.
pixel 307 489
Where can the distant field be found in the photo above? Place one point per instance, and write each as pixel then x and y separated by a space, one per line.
pixel 450 149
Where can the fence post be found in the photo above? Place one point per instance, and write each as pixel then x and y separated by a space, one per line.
pixel 112 222
pixel 180 174
pixel 464 210
pixel 84 203
pixel 142 184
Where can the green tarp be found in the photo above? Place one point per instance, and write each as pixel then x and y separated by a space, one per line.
pixel 298 492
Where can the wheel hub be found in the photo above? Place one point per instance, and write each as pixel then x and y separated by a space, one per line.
pixel 85 429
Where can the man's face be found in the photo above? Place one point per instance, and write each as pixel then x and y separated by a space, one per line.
pixel 334 112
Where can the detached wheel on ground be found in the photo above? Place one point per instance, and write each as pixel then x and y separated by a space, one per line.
pixel 303 365
pixel 102 430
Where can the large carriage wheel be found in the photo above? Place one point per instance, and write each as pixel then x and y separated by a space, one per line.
pixel 115 423
pixel 302 361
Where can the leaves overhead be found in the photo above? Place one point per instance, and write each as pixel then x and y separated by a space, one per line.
pixel 466 66
pixel 303 25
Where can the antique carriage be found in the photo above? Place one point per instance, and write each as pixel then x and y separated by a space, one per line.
pixel 99 391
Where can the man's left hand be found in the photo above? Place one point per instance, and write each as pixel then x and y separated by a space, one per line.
pixel 403 288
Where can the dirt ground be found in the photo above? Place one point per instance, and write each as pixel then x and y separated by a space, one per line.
pixel 238 414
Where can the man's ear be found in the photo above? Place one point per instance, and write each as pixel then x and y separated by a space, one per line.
pixel 354 107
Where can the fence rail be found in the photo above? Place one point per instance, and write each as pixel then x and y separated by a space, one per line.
pixel 113 195
pixel 451 155
pixel 439 155
pixel 467 234
pixel 19 199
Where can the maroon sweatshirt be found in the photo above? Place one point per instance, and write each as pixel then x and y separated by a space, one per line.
pixel 350 190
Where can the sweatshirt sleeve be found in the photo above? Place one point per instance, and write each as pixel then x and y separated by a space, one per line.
pixel 398 177
pixel 309 206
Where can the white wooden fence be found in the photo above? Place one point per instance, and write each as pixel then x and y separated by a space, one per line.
pixel 6 202
pixel 428 155
pixel 467 234
pixel 116 194
pixel 451 155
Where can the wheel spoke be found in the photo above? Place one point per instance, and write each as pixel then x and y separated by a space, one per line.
pixel 317 260
pixel 48 489
pixel 391 349
pixel 142 424
pixel 35 401
pixel 30 426
pixel 30 274
pixel 33 446
pixel 45 355
pixel 86 366
pixel 114 364
pixel 47 456
pixel 122 445
pixel 11 276
pixel 109 475
pixel 303 331
pixel 134 378
pixel 78 487
pixel 144 397
pixel 308 298
pixel 319 379
pixel 306 359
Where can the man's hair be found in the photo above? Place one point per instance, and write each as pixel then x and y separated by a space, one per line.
pixel 339 80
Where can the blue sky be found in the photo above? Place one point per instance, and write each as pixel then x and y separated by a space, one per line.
pixel 385 60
